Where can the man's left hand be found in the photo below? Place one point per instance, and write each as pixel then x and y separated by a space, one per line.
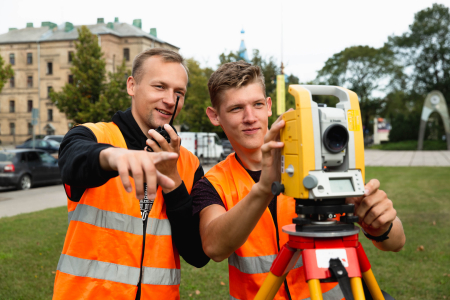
pixel 374 209
pixel 168 168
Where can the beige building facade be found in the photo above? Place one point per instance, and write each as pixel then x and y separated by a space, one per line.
pixel 41 60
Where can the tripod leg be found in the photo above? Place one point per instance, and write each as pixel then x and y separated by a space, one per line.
pixel 270 287
pixel 367 274
pixel 278 272
pixel 357 288
pixel 315 291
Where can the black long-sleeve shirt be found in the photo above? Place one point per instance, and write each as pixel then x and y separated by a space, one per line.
pixel 80 169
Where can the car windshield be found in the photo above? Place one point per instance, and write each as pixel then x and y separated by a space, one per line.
pixel 56 138
pixel 53 143
pixel 6 156
pixel 45 157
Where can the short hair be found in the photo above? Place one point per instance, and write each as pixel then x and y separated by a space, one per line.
pixel 166 54
pixel 233 75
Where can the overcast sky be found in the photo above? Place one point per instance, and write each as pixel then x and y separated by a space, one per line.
pixel 312 30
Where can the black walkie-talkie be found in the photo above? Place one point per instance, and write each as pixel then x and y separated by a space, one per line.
pixel 162 131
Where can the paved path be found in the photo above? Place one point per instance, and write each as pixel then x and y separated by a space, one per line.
pixel 14 202
pixel 407 158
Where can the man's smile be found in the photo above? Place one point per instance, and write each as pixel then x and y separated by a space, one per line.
pixel 164 112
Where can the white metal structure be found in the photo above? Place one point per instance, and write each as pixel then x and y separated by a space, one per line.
pixel 205 145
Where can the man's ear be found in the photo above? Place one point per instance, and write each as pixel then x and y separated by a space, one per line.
pixel 213 116
pixel 131 83
pixel 269 106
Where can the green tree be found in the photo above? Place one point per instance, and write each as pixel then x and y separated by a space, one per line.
pixel 92 98
pixel 425 48
pixel 364 70
pixel 193 115
pixel 6 72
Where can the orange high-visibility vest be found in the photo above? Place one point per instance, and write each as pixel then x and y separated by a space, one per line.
pixel 101 257
pixel 249 265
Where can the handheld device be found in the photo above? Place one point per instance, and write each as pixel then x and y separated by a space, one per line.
pixel 162 131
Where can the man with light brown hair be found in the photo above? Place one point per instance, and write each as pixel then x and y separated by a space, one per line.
pixel 240 219
pixel 128 207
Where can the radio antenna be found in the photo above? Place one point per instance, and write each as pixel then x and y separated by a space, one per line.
pixel 175 110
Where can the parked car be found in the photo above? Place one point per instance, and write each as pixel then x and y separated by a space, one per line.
pixel 57 138
pixel 227 148
pixel 48 145
pixel 24 168
pixel 37 136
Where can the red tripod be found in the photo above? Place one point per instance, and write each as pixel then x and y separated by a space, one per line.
pixel 337 255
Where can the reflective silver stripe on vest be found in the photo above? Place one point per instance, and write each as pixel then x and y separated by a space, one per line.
pixel 160 276
pixel 70 215
pixel 107 219
pixel 98 269
pixel 158 227
pixel 232 298
pixel 256 264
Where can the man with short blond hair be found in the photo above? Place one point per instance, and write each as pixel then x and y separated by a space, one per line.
pixel 240 219
pixel 128 206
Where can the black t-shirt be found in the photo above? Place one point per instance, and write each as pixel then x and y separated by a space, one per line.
pixel 204 194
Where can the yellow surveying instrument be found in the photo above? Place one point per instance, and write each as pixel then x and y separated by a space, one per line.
pixel 322 163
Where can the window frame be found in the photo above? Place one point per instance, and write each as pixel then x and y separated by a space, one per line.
pixel 30 81
pixel 29 58
pixel 12 106
pixel 49 68
pixel 126 54
pixel 12 59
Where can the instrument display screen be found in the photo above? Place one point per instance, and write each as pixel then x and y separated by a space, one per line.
pixel 341 185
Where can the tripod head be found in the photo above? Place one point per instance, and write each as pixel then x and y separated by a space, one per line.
pixel 322 161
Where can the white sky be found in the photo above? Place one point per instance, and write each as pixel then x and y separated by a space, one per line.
pixel 312 30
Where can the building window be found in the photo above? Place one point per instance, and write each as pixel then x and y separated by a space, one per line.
pixel 70 79
pixel 30 81
pixel 12 59
pixel 30 128
pixel 70 56
pixel 126 54
pixel 12 82
pixel 12 128
pixel 29 58
pixel 49 115
pixel 12 106
pixel 30 106
pixel 49 68
pixel 49 90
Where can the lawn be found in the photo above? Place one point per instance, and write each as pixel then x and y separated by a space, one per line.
pixel 30 245
pixel 411 145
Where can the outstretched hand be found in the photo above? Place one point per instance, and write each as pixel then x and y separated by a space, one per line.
pixel 271 156
pixel 374 209
pixel 141 165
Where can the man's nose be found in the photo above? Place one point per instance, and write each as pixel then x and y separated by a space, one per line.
pixel 249 115
pixel 170 99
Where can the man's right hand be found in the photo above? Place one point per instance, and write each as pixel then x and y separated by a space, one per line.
pixel 271 157
pixel 140 165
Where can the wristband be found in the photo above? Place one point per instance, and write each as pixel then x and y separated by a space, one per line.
pixel 380 238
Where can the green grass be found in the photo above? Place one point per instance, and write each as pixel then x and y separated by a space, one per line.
pixel 30 245
pixel 411 145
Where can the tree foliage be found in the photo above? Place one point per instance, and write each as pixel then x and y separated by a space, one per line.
pixel 6 72
pixel 193 115
pixel 364 70
pixel 425 48
pixel 91 98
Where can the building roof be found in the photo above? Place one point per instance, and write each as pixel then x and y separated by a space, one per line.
pixel 60 33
